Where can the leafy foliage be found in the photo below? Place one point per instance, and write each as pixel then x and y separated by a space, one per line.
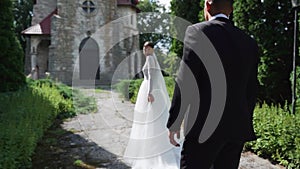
pixel 277 130
pixel 80 104
pixel 22 14
pixel 153 25
pixel 26 114
pixel 271 24
pixel 188 10
pixel 278 135
pixel 130 88
pixel 11 57
pixel 171 62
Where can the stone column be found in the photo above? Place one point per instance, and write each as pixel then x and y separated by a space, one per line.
pixel 33 58
pixel 34 44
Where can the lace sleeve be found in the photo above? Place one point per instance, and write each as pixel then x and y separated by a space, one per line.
pixel 150 72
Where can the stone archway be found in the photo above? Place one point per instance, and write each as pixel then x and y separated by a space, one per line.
pixel 42 58
pixel 89 68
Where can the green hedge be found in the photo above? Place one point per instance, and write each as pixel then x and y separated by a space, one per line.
pixel 80 104
pixel 278 133
pixel 129 88
pixel 27 113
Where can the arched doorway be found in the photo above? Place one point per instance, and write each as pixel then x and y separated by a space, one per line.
pixel 89 60
pixel 42 59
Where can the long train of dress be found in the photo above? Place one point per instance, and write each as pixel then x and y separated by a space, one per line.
pixel 149 146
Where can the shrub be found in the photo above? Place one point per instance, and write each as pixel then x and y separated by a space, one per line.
pixel 123 88
pixel 278 135
pixel 134 89
pixel 80 104
pixel 170 83
pixel 129 88
pixel 276 128
pixel 27 113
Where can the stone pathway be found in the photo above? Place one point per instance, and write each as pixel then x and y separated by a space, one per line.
pixel 99 139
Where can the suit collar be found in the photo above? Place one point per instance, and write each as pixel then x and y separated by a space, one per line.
pixel 221 19
pixel 220 15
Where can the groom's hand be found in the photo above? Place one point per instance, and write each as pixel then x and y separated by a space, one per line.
pixel 171 137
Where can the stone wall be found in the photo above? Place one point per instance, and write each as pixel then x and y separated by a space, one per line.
pixel 62 38
pixel 73 24
pixel 70 27
pixel 131 38
pixel 42 9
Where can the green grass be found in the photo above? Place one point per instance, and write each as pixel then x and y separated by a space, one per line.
pixel 81 164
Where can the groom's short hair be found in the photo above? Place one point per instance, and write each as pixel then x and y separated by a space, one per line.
pixel 222 4
pixel 150 44
pixel 223 1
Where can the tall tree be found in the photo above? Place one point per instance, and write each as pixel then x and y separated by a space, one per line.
pixel 150 18
pixel 270 22
pixel 23 15
pixel 188 10
pixel 155 20
pixel 11 62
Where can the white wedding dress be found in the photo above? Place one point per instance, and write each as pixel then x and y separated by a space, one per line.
pixel 149 146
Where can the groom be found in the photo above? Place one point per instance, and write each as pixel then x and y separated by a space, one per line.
pixel 215 91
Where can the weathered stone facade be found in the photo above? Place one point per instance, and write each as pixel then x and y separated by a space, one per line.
pixel 86 40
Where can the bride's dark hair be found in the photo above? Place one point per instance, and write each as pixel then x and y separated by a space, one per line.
pixel 148 43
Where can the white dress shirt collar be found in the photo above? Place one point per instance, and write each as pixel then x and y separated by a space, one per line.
pixel 218 16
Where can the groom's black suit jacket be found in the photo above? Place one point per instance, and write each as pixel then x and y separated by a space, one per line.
pixel 238 53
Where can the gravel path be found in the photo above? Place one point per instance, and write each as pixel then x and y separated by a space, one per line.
pixel 99 139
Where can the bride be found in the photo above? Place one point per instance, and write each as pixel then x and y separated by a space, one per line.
pixel 149 146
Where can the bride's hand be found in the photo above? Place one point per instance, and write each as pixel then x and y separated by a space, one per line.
pixel 150 98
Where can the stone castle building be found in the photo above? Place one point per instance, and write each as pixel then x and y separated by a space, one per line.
pixel 82 40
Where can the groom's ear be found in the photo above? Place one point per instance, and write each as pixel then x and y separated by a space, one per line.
pixel 208 5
